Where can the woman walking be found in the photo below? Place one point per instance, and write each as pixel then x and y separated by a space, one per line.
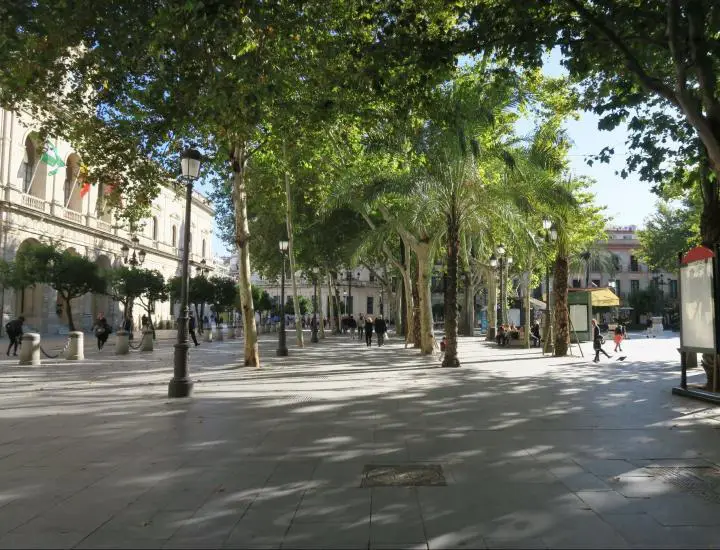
pixel 598 342
pixel 102 330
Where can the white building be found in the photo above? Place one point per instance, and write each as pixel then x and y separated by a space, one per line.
pixel 36 205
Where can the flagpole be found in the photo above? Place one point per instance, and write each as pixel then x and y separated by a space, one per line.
pixel 73 189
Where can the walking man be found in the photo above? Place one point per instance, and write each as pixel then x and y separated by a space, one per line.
pixel 191 328
pixel 14 331
pixel 368 330
pixel 380 329
pixel 598 342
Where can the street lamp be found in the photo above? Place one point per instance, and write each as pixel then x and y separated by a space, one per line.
pixel 349 307
pixel 202 270
pixel 282 350
pixel 181 385
pixel 503 263
pixel 550 236
pixel 136 259
pixel 314 337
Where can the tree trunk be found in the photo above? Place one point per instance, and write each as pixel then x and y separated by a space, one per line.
pixel 451 313
pixel 468 305
pixel 319 306
pixel 526 306
pixel 427 340
pixel 562 314
pixel 68 309
pixel 288 219
pixel 412 320
pixel 331 305
pixel 415 311
pixel 492 305
pixel 242 235
pixel 399 304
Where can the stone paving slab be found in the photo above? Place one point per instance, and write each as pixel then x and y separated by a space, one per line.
pixel 537 452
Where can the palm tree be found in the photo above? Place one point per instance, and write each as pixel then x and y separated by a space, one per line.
pixel 595 259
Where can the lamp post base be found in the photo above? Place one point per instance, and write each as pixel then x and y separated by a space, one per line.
pixel 281 352
pixel 180 385
pixel 314 337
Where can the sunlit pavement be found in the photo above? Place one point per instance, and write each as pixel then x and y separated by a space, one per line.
pixel 536 452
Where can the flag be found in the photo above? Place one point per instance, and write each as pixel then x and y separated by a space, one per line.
pixel 84 190
pixel 51 157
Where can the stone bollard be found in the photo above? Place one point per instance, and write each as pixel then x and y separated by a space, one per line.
pixel 208 335
pixel 76 346
pixel 30 349
pixel 220 337
pixel 146 344
pixel 231 333
pixel 122 344
pixel 238 332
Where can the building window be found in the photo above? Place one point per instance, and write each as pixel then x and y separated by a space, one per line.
pixel 577 283
pixel 634 264
pixel 370 303
pixel 174 235
pixel 634 286
pixel 596 283
pixel 155 228
pixel 372 277
pixel 673 289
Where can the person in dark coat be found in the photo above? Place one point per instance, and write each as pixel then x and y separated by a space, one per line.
pixel 380 330
pixel 598 342
pixel 368 330
pixel 191 328
pixel 14 331
pixel 535 334
pixel 102 330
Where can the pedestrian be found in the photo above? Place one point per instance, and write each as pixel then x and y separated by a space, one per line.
pixel 352 323
pixel 361 327
pixel 380 329
pixel 191 328
pixel 144 321
pixel 618 338
pixel 535 334
pixel 368 330
pixel 649 325
pixel 102 330
pixel 127 326
pixel 14 331
pixel 598 341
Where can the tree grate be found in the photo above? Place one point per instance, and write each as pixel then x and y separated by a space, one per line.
pixel 702 481
pixel 403 475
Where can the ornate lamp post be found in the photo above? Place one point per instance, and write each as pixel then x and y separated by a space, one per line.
pixel 314 337
pixel 181 385
pixel 503 263
pixel 550 236
pixel 282 350
pixel 134 260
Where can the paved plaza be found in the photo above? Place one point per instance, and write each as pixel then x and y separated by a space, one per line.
pixel 534 452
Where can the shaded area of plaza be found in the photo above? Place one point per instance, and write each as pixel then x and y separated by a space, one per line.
pixel 536 452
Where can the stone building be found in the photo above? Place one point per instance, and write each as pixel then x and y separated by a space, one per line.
pixel 41 202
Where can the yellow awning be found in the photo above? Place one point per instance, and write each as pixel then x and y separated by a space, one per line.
pixel 604 297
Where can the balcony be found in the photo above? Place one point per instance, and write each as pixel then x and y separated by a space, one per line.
pixel 72 216
pixel 33 202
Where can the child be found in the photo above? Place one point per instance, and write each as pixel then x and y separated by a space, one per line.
pixel 618 338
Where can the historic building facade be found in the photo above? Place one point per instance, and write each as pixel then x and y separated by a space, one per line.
pixel 43 202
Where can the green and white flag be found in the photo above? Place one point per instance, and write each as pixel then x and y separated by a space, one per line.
pixel 52 159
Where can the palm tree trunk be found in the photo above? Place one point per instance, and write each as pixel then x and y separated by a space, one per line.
pixel 468 305
pixel 399 313
pixel 412 332
pixel 451 313
pixel 415 303
pixel 562 314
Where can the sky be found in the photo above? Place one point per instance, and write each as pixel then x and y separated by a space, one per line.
pixel 628 201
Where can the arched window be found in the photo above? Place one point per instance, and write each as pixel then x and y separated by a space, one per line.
pixel 155 228
pixel 203 248
pixel 174 235
pixel 29 163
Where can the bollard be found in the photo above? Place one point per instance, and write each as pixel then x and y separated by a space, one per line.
pixel 76 346
pixel 220 337
pixel 146 344
pixel 30 349
pixel 208 335
pixel 231 333
pixel 238 332
pixel 122 344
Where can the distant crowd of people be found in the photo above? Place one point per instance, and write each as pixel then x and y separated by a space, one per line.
pixel 365 326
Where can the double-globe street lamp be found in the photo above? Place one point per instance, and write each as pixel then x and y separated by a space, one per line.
pixel 282 350
pixel 136 259
pixel 503 264
pixel 549 345
pixel 181 385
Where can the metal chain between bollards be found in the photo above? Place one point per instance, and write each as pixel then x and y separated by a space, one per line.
pixel 58 354
pixel 135 347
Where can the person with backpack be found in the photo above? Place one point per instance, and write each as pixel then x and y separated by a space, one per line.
pixel 380 329
pixel 14 331
pixel 102 330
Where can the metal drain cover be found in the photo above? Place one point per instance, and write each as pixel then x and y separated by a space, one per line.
pixel 703 481
pixel 402 475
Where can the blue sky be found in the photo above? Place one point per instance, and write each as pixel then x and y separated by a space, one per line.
pixel 628 201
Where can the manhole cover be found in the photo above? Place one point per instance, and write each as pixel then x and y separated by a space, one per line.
pixel 703 481
pixel 402 475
